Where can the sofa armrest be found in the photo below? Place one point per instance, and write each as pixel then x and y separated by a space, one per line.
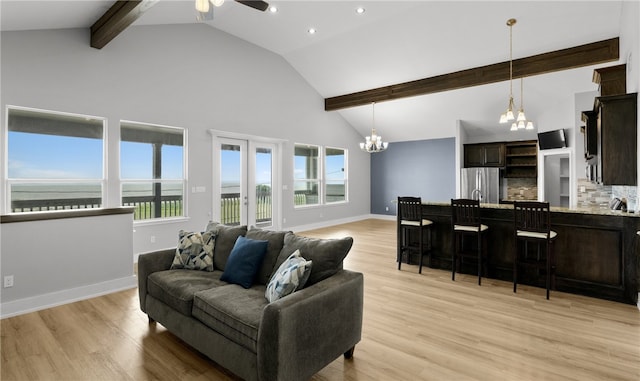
pixel 149 263
pixel 303 332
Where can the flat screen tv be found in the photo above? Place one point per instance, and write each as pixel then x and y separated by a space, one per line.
pixel 552 139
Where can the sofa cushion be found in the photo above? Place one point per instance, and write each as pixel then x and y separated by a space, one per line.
pixel 177 287
pixel 276 242
pixel 226 237
pixel 245 261
pixel 326 254
pixel 194 251
pixel 290 276
pixel 232 311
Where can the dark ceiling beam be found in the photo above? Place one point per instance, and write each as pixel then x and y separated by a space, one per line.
pixel 114 21
pixel 570 58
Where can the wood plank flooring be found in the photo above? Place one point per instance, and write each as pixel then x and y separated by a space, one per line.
pixel 416 327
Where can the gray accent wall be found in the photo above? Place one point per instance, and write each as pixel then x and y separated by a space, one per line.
pixel 424 168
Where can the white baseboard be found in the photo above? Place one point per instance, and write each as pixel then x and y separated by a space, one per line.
pixel 324 224
pixel 53 299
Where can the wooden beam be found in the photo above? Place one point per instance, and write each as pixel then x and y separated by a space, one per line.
pixel 114 21
pixel 570 58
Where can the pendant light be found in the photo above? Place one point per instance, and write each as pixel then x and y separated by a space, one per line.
pixel 373 143
pixel 523 123
pixel 507 116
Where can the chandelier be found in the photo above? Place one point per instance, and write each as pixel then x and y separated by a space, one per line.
pixel 521 122
pixel 507 116
pixel 374 142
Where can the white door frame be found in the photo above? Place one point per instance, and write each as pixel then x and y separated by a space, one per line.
pixel 573 191
pixel 253 141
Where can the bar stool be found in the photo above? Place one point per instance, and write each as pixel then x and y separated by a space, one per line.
pixel 532 224
pixel 410 219
pixel 465 221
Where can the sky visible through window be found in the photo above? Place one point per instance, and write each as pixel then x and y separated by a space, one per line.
pixel 37 156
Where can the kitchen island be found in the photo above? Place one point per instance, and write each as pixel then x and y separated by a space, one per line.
pixel 595 250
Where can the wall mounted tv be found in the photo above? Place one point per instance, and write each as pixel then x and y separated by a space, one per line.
pixel 552 139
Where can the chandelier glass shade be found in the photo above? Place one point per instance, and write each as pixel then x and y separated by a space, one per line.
pixel 373 143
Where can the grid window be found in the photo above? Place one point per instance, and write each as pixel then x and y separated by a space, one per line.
pixel 335 175
pixel 55 160
pixel 306 182
pixel 152 170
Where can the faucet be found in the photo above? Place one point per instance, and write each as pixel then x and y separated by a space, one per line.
pixel 473 192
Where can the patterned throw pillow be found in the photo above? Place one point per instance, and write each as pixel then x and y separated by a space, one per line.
pixel 194 251
pixel 290 276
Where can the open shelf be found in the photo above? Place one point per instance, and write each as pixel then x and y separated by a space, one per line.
pixel 521 159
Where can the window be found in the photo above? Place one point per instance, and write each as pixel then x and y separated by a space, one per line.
pixel 152 170
pixel 306 183
pixel 335 175
pixel 306 178
pixel 55 160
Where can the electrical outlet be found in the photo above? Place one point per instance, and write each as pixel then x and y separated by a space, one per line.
pixel 386 208
pixel 153 239
pixel 8 281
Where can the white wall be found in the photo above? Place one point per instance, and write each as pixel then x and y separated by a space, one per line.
pixel 56 261
pixel 190 76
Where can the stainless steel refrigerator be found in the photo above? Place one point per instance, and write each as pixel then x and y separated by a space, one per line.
pixel 481 184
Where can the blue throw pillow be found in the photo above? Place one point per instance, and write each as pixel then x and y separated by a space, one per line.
pixel 244 261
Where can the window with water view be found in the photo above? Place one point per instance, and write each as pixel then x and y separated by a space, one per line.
pixel 55 161
pixel 152 170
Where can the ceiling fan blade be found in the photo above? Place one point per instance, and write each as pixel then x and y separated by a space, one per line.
pixel 259 5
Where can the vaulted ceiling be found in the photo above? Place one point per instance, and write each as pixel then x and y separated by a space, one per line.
pixel 391 42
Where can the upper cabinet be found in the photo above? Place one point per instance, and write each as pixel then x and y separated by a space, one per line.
pixel 617 139
pixel 590 131
pixel 484 155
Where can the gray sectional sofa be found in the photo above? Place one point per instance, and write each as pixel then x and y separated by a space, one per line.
pixel 290 338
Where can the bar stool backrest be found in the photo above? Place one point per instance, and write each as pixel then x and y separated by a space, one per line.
pixel 532 216
pixel 465 212
pixel 410 209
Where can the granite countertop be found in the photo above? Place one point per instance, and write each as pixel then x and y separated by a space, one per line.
pixel 582 210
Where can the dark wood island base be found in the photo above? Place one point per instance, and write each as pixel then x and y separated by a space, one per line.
pixel 595 251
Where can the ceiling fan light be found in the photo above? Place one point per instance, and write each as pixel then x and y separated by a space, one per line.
pixel 202 6
pixel 217 3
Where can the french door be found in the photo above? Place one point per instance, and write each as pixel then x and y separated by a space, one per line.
pixel 244 190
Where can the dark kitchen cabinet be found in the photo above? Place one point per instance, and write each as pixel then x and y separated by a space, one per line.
pixel 590 132
pixel 617 139
pixel 484 155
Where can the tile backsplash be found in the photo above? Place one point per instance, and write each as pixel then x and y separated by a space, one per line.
pixel 594 195
pixel 597 195
pixel 525 188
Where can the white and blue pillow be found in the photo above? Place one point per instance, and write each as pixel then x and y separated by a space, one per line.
pixel 290 276
pixel 194 251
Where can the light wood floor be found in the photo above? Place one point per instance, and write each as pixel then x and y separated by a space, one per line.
pixel 416 327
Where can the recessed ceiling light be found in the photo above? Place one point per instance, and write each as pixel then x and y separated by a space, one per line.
pixel 360 10
pixel 312 31
pixel 273 9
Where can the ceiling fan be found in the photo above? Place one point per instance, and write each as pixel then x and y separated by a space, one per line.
pixel 205 7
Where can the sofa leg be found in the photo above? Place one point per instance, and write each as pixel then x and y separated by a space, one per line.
pixel 150 319
pixel 349 354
